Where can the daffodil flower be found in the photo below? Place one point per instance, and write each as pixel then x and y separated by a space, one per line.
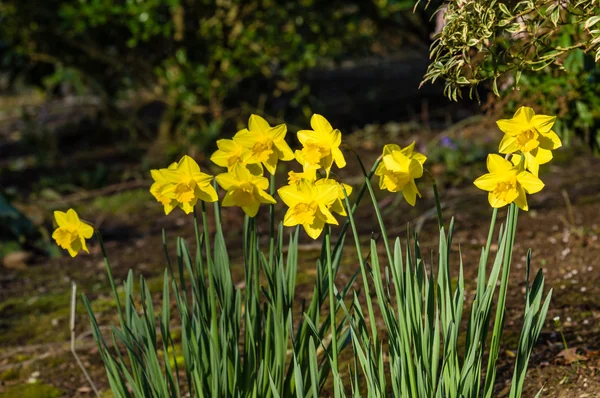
pixel 309 206
pixel 398 170
pixel 530 134
pixel 231 152
pixel 266 144
pixel 507 183
pixel 183 185
pixel 244 189
pixel 71 232
pixel 321 145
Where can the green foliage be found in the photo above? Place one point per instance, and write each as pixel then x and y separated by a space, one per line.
pixel 248 341
pixel 545 50
pixel 200 58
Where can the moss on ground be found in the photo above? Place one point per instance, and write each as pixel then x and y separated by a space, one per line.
pixel 34 390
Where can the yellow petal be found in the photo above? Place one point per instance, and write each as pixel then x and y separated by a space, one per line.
pixel 336 138
pixel 486 182
pixel 255 169
pixel 549 140
pixel 497 164
pixel 83 245
pixel 188 166
pixel 338 157
pixel 266 198
pixel 410 193
pixel 508 144
pixel 390 148
pixel 290 195
pixel 510 127
pixel 521 200
pixel 315 229
pixel 189 206
pixel 245 138
pixel 495 201
pixel 542 156
pixel 61 218
pixel 338 207
pixel 419 157
pixel 307 136
pixel 251 210
pixel 531 163
pixel 524 114
pixel 326 194
pixel 257 123
pixel 85 230
pixel 278 132
pixel 73 218
pixel 415 169
pixel 530 182
pixel 227 180
pixel 543 123
pixel 320 124
pixel 170 206
pixel 289 220
pixel 329 218
pixel 202 179
pixel 271 163
pixel 227 145
pixel 284 152
pixel 220 158
pixel 208 194
pixel 408 151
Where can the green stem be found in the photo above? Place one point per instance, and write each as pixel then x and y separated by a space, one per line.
pixel 332 305
pixel 362 271
pixel 272 224
pixel 211 278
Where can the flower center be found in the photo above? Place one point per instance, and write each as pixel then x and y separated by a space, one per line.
pixel 305 212
pixel 65 237
pixel 185 191
pixel 396 180
pixel 527 140
pixel 234 158
pixel 313 153
pixel 506 191
pixel 262 150
pixel 244 194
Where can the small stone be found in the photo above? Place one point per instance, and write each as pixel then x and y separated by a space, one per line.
pixel 16 260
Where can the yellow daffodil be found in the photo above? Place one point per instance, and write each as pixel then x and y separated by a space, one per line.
pixel 231 153
pixel 309 206
pixel 338 204
pixel 321 145
pixel 182 185
pixel 266 144
pixel 244 189
pixel 71 232
pixel 530 134
pixel 507 183
pixel 398 170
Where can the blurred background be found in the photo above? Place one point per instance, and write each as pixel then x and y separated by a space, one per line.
pixel 94 93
